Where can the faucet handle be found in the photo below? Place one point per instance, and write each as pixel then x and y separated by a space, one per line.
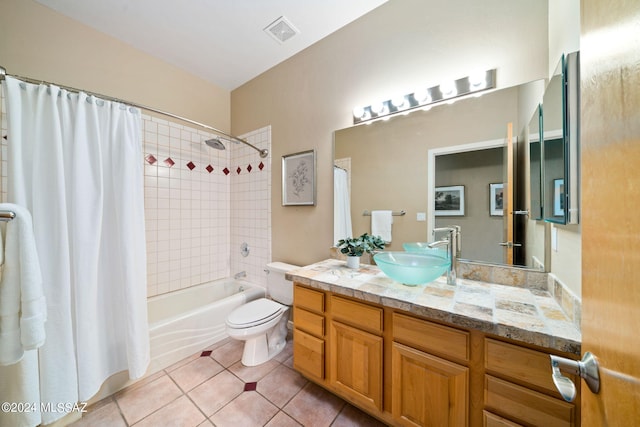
pixel 450 229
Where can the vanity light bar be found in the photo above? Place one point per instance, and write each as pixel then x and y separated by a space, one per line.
pixel 420 98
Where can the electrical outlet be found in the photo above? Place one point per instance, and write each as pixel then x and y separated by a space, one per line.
pixel 421 216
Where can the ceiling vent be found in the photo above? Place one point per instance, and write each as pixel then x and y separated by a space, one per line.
pixel 281 30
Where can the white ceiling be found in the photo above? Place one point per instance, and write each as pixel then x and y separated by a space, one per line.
pixel 221 41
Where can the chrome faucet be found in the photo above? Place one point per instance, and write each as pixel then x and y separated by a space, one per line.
pixel 452 242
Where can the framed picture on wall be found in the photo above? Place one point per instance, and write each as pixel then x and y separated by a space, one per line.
pixel 496 199
pixel 299 179
pixel 449 201
pixel 558 197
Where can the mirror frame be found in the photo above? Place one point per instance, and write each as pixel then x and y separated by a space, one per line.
pixel 536 209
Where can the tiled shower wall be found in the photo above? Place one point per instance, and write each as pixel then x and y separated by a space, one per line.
pixel 251 207
pixel 193 215
pixel 201 204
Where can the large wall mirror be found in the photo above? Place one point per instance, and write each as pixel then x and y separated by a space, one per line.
pixel 387 164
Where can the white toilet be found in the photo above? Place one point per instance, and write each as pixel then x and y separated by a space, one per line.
pixel 262 323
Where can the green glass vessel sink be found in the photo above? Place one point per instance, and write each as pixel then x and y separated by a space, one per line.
pixel 423 247
pixel 412 268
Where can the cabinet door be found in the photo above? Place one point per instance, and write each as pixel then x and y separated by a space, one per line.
pixel 428 390
pixel 356 364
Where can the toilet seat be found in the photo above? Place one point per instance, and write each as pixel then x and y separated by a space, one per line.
pixel 254 313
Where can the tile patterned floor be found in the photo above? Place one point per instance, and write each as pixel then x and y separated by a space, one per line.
pixel 215 389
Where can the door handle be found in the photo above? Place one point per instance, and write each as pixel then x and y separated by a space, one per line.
pixel 587 368
pixel 510 244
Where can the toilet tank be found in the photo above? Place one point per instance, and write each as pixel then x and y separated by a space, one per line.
pixel 279 288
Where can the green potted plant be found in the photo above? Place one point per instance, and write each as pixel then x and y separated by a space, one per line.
pixel 355 247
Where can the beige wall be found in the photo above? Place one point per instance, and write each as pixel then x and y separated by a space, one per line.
pixel 39 43
pixel 402 45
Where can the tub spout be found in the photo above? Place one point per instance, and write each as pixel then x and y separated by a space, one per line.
pixel 240 275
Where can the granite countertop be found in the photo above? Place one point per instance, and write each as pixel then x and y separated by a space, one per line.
pixel 526 315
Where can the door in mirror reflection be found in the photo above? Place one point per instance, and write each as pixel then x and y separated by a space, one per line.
pixel 487 176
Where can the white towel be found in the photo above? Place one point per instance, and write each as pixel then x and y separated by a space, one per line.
pixel 23 310
pixel 381 224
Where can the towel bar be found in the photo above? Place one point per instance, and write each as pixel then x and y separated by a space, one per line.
pixel 394 213
pixel 7 215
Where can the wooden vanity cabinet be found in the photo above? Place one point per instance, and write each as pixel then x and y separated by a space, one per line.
pixel 411 371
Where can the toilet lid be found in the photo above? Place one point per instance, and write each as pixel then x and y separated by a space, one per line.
pixel 254 313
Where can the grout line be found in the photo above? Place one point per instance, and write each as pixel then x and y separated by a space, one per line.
pixel 198 407
pixel 120 410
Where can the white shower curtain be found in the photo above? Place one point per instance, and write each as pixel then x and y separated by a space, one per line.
pixel 75 162
pixel 341 206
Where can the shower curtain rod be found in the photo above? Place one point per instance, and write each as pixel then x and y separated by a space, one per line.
pixel 3 73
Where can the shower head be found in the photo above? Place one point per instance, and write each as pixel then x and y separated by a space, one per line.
pixel 218 145
pixel 215 143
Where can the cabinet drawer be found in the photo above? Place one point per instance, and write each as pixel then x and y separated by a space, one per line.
pixel 308 298
pixel 431 337
pixel 308 321
pixel 492 420
pixel 520 364
pixel 357 314
pixel 526 406
pixel 308 354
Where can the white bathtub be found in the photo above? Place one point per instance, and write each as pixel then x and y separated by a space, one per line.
pixel 183 322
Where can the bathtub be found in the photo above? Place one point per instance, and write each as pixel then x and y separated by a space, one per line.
pixel 184 322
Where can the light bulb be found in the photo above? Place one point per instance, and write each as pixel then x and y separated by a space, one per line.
pixel 358 112
pixel 422 96
pixel 448 89
pixel 398 101
pixel 478 80
pixel 378 107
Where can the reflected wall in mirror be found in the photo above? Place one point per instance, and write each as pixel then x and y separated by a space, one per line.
pixel 389 163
